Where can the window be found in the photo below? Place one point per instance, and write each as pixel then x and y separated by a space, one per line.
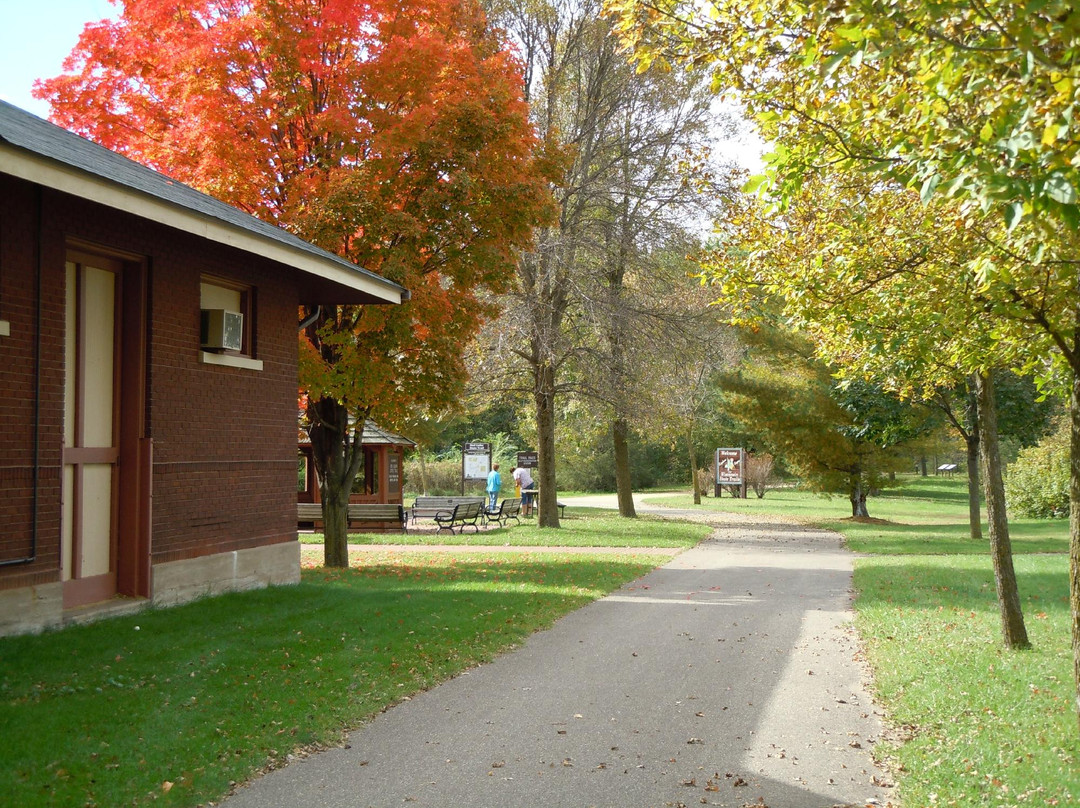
pixel 227 323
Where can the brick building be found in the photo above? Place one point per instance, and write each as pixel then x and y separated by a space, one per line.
pixel 148 441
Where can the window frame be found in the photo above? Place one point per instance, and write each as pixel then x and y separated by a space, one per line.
pixel 246 357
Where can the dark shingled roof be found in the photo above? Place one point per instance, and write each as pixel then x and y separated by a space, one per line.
pixel 374 435
pixel 32 134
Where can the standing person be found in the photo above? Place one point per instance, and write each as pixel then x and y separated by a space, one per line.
pixel 494 483
pixel 524 479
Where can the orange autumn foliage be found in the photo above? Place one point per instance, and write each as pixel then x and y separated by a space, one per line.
pixel 392 132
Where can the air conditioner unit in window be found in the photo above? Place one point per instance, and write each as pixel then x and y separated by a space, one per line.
pixel 222 330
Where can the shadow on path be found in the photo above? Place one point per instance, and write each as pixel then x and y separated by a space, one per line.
pixel 726 677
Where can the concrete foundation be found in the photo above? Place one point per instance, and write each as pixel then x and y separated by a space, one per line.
pixel 33 609
pixel 182 581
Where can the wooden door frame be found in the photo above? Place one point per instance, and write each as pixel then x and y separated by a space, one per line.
pixel 136 448
pixel 129 572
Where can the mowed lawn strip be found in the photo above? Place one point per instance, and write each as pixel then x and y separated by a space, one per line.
pixel 976 725
pixel 584 527
pixel 170 707
pixel 986 726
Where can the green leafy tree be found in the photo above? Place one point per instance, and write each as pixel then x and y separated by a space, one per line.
pixel 861 266
pixel 969 104
pixel 836 437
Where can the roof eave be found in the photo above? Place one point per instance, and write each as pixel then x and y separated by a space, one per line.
pixel 325 274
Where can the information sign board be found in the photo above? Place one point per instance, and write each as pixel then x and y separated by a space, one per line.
pixel 393 473
pixel 528 460
pixel 729 466
pixel 475 461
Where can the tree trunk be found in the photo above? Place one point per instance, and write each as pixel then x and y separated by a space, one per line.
pixel 623 485
pixel 1012 615
pixel 858 500
pixel 544 394
pixel 857 494
pixel 335 511
pixel 1074 519
pixel 693 465
pixel 337 453
pixel 423 471
pixel 974 500
pixel 922 466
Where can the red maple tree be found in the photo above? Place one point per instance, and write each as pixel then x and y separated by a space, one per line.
pixel 392 132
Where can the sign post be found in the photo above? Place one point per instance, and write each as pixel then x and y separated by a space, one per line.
pixel 475 463
pixel 729 470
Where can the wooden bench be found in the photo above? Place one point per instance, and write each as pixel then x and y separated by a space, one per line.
pixel 308 512
pixel 467 513
pixel 508 509
pixel 362 512
pixel 428 507
pixel 359 513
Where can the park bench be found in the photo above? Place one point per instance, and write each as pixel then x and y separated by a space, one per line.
pixel 508 509
pixel 428 507
pixel 367 512
pixel 467 513
pixel 360 513
pixel 308 512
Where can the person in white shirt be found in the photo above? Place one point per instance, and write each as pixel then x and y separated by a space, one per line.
pixel 528 491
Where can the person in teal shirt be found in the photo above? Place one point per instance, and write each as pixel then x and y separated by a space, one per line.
pixel 494 483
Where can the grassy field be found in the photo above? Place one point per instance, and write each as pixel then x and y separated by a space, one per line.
pixel 171 706
pixel 983 726
pixel 578 528
pixel 923 515
pixel 988 727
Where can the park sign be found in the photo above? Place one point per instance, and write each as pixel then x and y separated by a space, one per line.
pixel 729 466
pixel 475 461
pixel 528 460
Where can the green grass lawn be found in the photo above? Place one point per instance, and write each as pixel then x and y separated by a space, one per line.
pixel 987 727
pixel 580 527
pixel 921 516
pixel 170 706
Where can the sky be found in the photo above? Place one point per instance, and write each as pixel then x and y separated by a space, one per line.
pixel 35 38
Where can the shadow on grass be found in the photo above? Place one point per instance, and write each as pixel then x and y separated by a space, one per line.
pixel 929 488
pixel 927 584
pixel 891 538
pixel 170 706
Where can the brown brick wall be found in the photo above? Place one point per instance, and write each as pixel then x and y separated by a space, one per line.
pixel 224 438
pixel 20 384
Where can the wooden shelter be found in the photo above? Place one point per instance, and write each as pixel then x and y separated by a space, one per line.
pixel 380 480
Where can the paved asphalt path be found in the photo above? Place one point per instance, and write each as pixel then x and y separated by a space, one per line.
pixel 727 677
